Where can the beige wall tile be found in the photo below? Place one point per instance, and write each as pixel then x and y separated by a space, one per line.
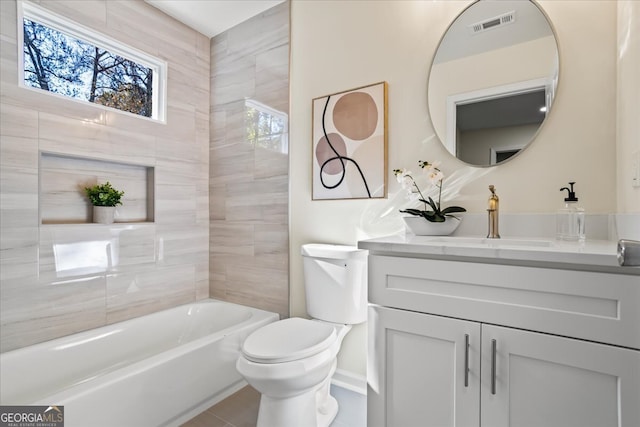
pixel 19 152
pixel 171 37
pixel 83 138
pixel 18 255
pixel 272 71
pixel 8 16
pixel 167 260
pixel 13 94
pixel 156 287
pixel 90 13
pixel 166 263
pixel 18 195
pixel 54 307
pixel 248 186
pixel 17 121
pixel 231 238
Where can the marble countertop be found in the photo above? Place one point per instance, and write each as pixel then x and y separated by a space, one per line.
pixel 591 255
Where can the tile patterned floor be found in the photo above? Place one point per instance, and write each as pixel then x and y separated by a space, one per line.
pixel 241 410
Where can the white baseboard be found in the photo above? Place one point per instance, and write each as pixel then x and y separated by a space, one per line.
pixel 350 381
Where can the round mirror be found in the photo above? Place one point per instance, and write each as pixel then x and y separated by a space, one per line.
pixel 493 80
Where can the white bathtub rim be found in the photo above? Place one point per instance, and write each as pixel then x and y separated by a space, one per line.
pixel 78 389
pixel 67 339
pixel 115 372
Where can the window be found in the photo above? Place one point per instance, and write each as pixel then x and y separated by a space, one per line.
pixel 65 58
pixel 266 127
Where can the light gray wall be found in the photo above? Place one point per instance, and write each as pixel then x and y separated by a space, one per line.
pixel 249 186
pixel 159 264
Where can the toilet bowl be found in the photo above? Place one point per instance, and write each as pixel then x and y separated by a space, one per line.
pixel 291 362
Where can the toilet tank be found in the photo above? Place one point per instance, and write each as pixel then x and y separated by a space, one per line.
pixel 335 282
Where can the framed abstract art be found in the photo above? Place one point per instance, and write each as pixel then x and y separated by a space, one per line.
pixel 350 144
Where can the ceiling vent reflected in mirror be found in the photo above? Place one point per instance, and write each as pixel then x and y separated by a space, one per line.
pixel 504 19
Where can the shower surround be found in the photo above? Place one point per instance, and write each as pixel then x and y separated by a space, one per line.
pixel 50 286
pixel 249 184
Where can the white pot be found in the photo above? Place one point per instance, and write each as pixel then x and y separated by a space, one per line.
pixel 421 227
pixel 103 214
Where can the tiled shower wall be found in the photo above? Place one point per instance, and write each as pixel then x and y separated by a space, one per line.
pixel 53 278
pixel 248 183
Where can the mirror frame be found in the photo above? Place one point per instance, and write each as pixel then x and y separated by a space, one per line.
pixel 549 84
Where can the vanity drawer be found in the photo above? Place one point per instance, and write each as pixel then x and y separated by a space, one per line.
pixel 602 307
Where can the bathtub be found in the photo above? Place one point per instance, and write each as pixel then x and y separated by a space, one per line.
pixel 157 370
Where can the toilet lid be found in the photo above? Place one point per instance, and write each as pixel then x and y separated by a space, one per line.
pixel 289 339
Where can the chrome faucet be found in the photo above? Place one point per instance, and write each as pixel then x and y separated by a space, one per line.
pixel 493 210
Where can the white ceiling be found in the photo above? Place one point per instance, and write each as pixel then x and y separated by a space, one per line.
pixel 212 17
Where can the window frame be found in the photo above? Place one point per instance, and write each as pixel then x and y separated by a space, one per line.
pixel 71 28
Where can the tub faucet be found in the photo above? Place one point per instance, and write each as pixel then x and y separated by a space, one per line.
pixel 493 210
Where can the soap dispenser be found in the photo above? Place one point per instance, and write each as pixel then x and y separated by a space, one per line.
pixel 570 219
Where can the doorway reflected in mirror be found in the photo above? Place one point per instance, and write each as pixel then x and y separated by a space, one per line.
pixel 493 80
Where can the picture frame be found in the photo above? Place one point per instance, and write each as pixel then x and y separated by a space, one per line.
pixel 349 134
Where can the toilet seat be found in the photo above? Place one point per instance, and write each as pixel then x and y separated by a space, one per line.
pixel 288 340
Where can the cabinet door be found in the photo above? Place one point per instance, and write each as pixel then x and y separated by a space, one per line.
pixel 416 370
pixel 544 380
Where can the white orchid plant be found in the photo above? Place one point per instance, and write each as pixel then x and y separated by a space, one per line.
pixel 435 176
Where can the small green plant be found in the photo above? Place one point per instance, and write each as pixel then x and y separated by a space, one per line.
pixel 104 195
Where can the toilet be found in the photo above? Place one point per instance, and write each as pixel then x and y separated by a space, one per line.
pixel 291 361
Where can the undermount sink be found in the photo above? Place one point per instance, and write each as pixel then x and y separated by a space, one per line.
pixel 483 241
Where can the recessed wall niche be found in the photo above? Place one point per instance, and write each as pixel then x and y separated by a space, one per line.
pixel 63 179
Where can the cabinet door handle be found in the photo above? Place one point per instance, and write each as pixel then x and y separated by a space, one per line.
pixel 466 360
pixel 493 366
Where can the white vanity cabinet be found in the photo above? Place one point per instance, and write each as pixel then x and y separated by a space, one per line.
pixel 416 374
pixel 456 343
pixel 547 380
